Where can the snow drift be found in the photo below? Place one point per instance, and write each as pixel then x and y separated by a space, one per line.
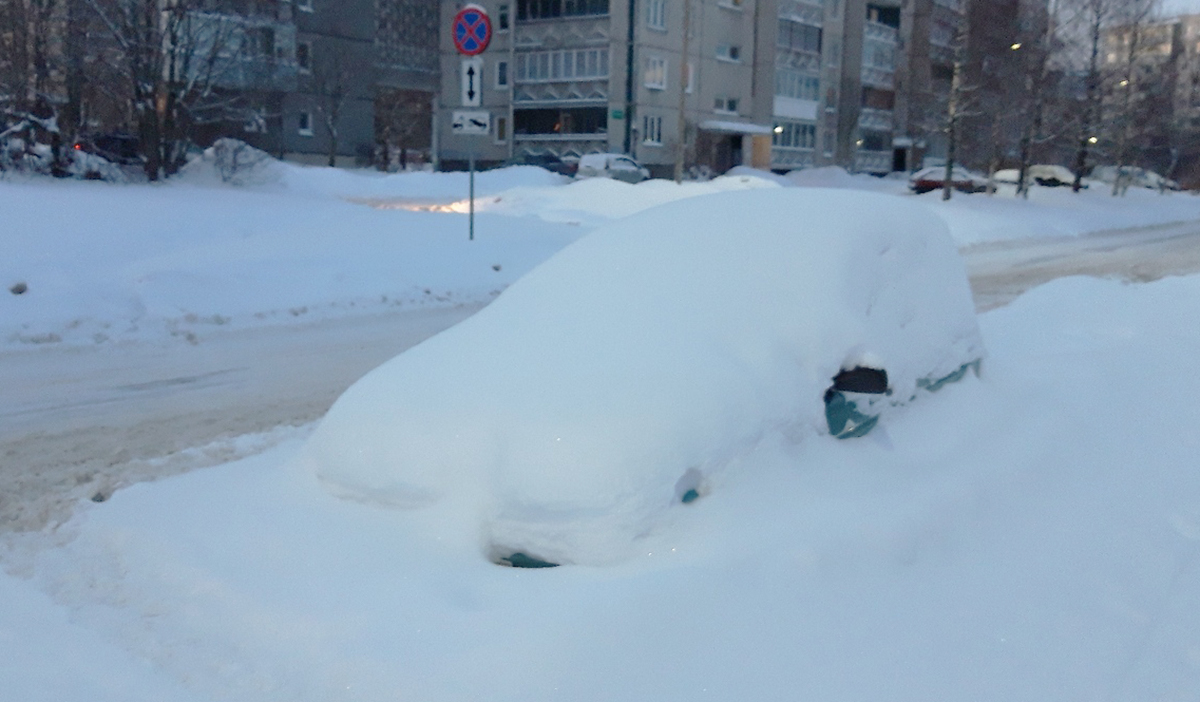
pixel 567 418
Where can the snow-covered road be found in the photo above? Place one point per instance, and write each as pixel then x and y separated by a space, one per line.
pixel 77 423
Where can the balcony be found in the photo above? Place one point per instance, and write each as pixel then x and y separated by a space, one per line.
pixel 875 120
pixel 792 158
pixel 873 161
pixel 881 32
pixel 806 11
pixel 878 78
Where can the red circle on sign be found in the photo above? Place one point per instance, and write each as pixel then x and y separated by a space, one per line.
pixel 471 30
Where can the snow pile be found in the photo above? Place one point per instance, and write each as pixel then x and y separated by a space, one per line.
pixel 230 162
pixel 595 201
pixel 565 419
pixel 838 177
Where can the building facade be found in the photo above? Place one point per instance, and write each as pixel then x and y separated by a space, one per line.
pixel 570 77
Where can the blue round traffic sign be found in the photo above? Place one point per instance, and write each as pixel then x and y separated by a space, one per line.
pixel 472 30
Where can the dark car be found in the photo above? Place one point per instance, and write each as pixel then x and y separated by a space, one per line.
pixel 116 148
pixel 550 162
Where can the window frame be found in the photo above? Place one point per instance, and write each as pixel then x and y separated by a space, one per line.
pixel 656 15
pixel 304 117
pixel 659 65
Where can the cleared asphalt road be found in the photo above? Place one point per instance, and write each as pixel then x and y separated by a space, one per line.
pixel 78 423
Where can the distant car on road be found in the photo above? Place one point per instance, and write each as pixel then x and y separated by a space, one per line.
pixel 615 166
pixel 933 178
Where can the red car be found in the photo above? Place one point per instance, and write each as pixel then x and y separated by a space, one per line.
pixel 934 177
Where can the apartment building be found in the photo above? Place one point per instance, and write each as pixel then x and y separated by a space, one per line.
pixel 782 84
pixel 1152 94
pixel 367 69
pixel 570 77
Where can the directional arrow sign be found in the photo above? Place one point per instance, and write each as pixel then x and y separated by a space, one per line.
pixel 472 82
pixel 471 122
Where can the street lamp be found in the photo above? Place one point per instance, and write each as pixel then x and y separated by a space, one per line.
pixel 1015 45
pixel 1093 140
pixel 779 129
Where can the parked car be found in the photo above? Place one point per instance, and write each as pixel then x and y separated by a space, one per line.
pixel 1042 174
pixel 615 166
pixel 933 178
pixel 550 162
pixel 639 363
pixel 115 147
pixel 1138 177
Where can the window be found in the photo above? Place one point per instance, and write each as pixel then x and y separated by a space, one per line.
pixel 729 52
pixel 304 56
pixel 548 9
pixel 731 4
pixel 876 99
pixel 502 19
pixel 570 64
pixel 794 135
pixel 305 5
pixel 656 14
pixel 689 76
pixel 305 124
pixel 875 141
pixel 501 130
pixel 656 73
pixel 651 130
pixel 502 74
pixel 797 85
pixel 578 120
pixel 724 104
pixel 798 36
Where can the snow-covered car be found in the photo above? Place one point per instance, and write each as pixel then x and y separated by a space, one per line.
pixel 612 386
pixel 1043 174
pixel 615 166
pixel 934 177
pixel 1138 177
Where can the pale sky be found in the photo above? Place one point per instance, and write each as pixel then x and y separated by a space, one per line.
pixel 1179 7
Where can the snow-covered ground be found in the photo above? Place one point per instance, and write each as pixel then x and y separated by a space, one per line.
pixel 102 263
pixel 1033 533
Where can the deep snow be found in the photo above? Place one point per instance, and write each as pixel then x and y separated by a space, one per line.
pixel 1030 534
pixel 1033 534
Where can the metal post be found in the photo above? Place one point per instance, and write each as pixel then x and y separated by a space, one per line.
pixel 471 216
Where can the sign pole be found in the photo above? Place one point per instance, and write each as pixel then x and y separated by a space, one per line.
pixel 471 32
pixel 471 216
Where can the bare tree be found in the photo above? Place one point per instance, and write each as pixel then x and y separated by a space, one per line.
pixel 402 120
pixel 171 55
pixel 1091 18
pixel 332 81
pixel 1128 98
pixel 956 103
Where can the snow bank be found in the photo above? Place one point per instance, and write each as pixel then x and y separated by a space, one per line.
pixel 567 417
pixel 595 201
pixel 1057 212
pixel 271 174
pixel 102 263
